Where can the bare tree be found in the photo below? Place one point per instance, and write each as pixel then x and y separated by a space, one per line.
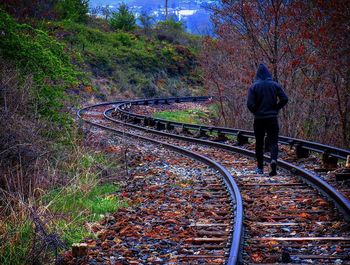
pixel 166 10
pixel 106 12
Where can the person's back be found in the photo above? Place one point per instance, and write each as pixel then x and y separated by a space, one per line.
pixel 265 98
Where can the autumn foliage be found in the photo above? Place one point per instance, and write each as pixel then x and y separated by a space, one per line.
pixel 30 8
pixel 306 46
pixel 24 10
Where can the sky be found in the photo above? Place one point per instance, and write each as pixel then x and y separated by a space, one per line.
pixel 194 13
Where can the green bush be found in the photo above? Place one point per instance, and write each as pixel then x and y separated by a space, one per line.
pixel 124 19
pixel 124 39
pixel 32 47
pixel 146 21
pixel 41 56
pixel 74 10
pixel 171 25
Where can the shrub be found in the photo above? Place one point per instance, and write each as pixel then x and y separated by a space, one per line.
pixel 75 10
pixel 124 19
pixel 147 22
pixel 24 145
pixel 171 25
pixel 124 39
pixel 170 30
pixel 38 54
pixel 149 90
pixel 126 59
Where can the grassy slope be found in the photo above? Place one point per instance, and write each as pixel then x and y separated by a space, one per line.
pixel 38 68
pixel 139 65
pixel 62 60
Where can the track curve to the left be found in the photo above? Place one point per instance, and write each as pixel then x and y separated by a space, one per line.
pixel 217 240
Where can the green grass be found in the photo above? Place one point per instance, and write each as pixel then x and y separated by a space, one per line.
pixel 84 199
pixel 15 243
pixel 194 116
pixel 82 206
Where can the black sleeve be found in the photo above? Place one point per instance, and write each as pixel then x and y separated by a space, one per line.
pixel 251 104
pixel 282 97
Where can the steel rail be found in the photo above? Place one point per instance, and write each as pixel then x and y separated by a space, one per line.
pixel 340 201
pixel 311 146
pixel 237 233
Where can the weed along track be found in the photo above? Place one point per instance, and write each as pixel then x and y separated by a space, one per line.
pixel 288 219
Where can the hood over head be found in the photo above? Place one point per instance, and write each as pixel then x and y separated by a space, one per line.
pixel 263 73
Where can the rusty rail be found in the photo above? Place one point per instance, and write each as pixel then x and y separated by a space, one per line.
pixel 243 135
pixel 234 193
pixel 340 201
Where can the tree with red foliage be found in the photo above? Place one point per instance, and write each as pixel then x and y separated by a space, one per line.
pixel 327 32
pixel 305 43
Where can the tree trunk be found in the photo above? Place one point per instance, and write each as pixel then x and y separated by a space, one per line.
pixel 166 10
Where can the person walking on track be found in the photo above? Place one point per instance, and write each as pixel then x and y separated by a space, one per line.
pixel 265 98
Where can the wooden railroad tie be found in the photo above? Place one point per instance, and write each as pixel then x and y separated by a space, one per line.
pixel 79 250
pixel 344 174
pixel 329 162
pixel 301 152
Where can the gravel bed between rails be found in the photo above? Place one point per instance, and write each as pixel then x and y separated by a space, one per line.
pixel 165 194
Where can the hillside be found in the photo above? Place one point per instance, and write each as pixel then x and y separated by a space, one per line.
pixel 160 62
pixel 53 60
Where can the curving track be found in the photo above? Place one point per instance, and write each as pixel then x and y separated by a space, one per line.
pixel 223 230
pixel 286 220
pixel 339 193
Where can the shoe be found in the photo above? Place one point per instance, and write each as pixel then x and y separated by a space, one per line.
pixel 273 166
pixel 259 171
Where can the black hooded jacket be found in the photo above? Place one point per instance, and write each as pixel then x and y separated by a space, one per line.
pixel 265 97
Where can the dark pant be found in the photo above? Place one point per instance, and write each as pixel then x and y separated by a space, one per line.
pixel 270 127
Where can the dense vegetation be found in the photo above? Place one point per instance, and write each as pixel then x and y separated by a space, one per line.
pixel 52 58
pixel 122 61
pixel 305 45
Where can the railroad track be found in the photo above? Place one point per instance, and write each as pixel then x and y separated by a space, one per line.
pixel 302 147
pixel 287 220
pixel 323 164
pixel 213 235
